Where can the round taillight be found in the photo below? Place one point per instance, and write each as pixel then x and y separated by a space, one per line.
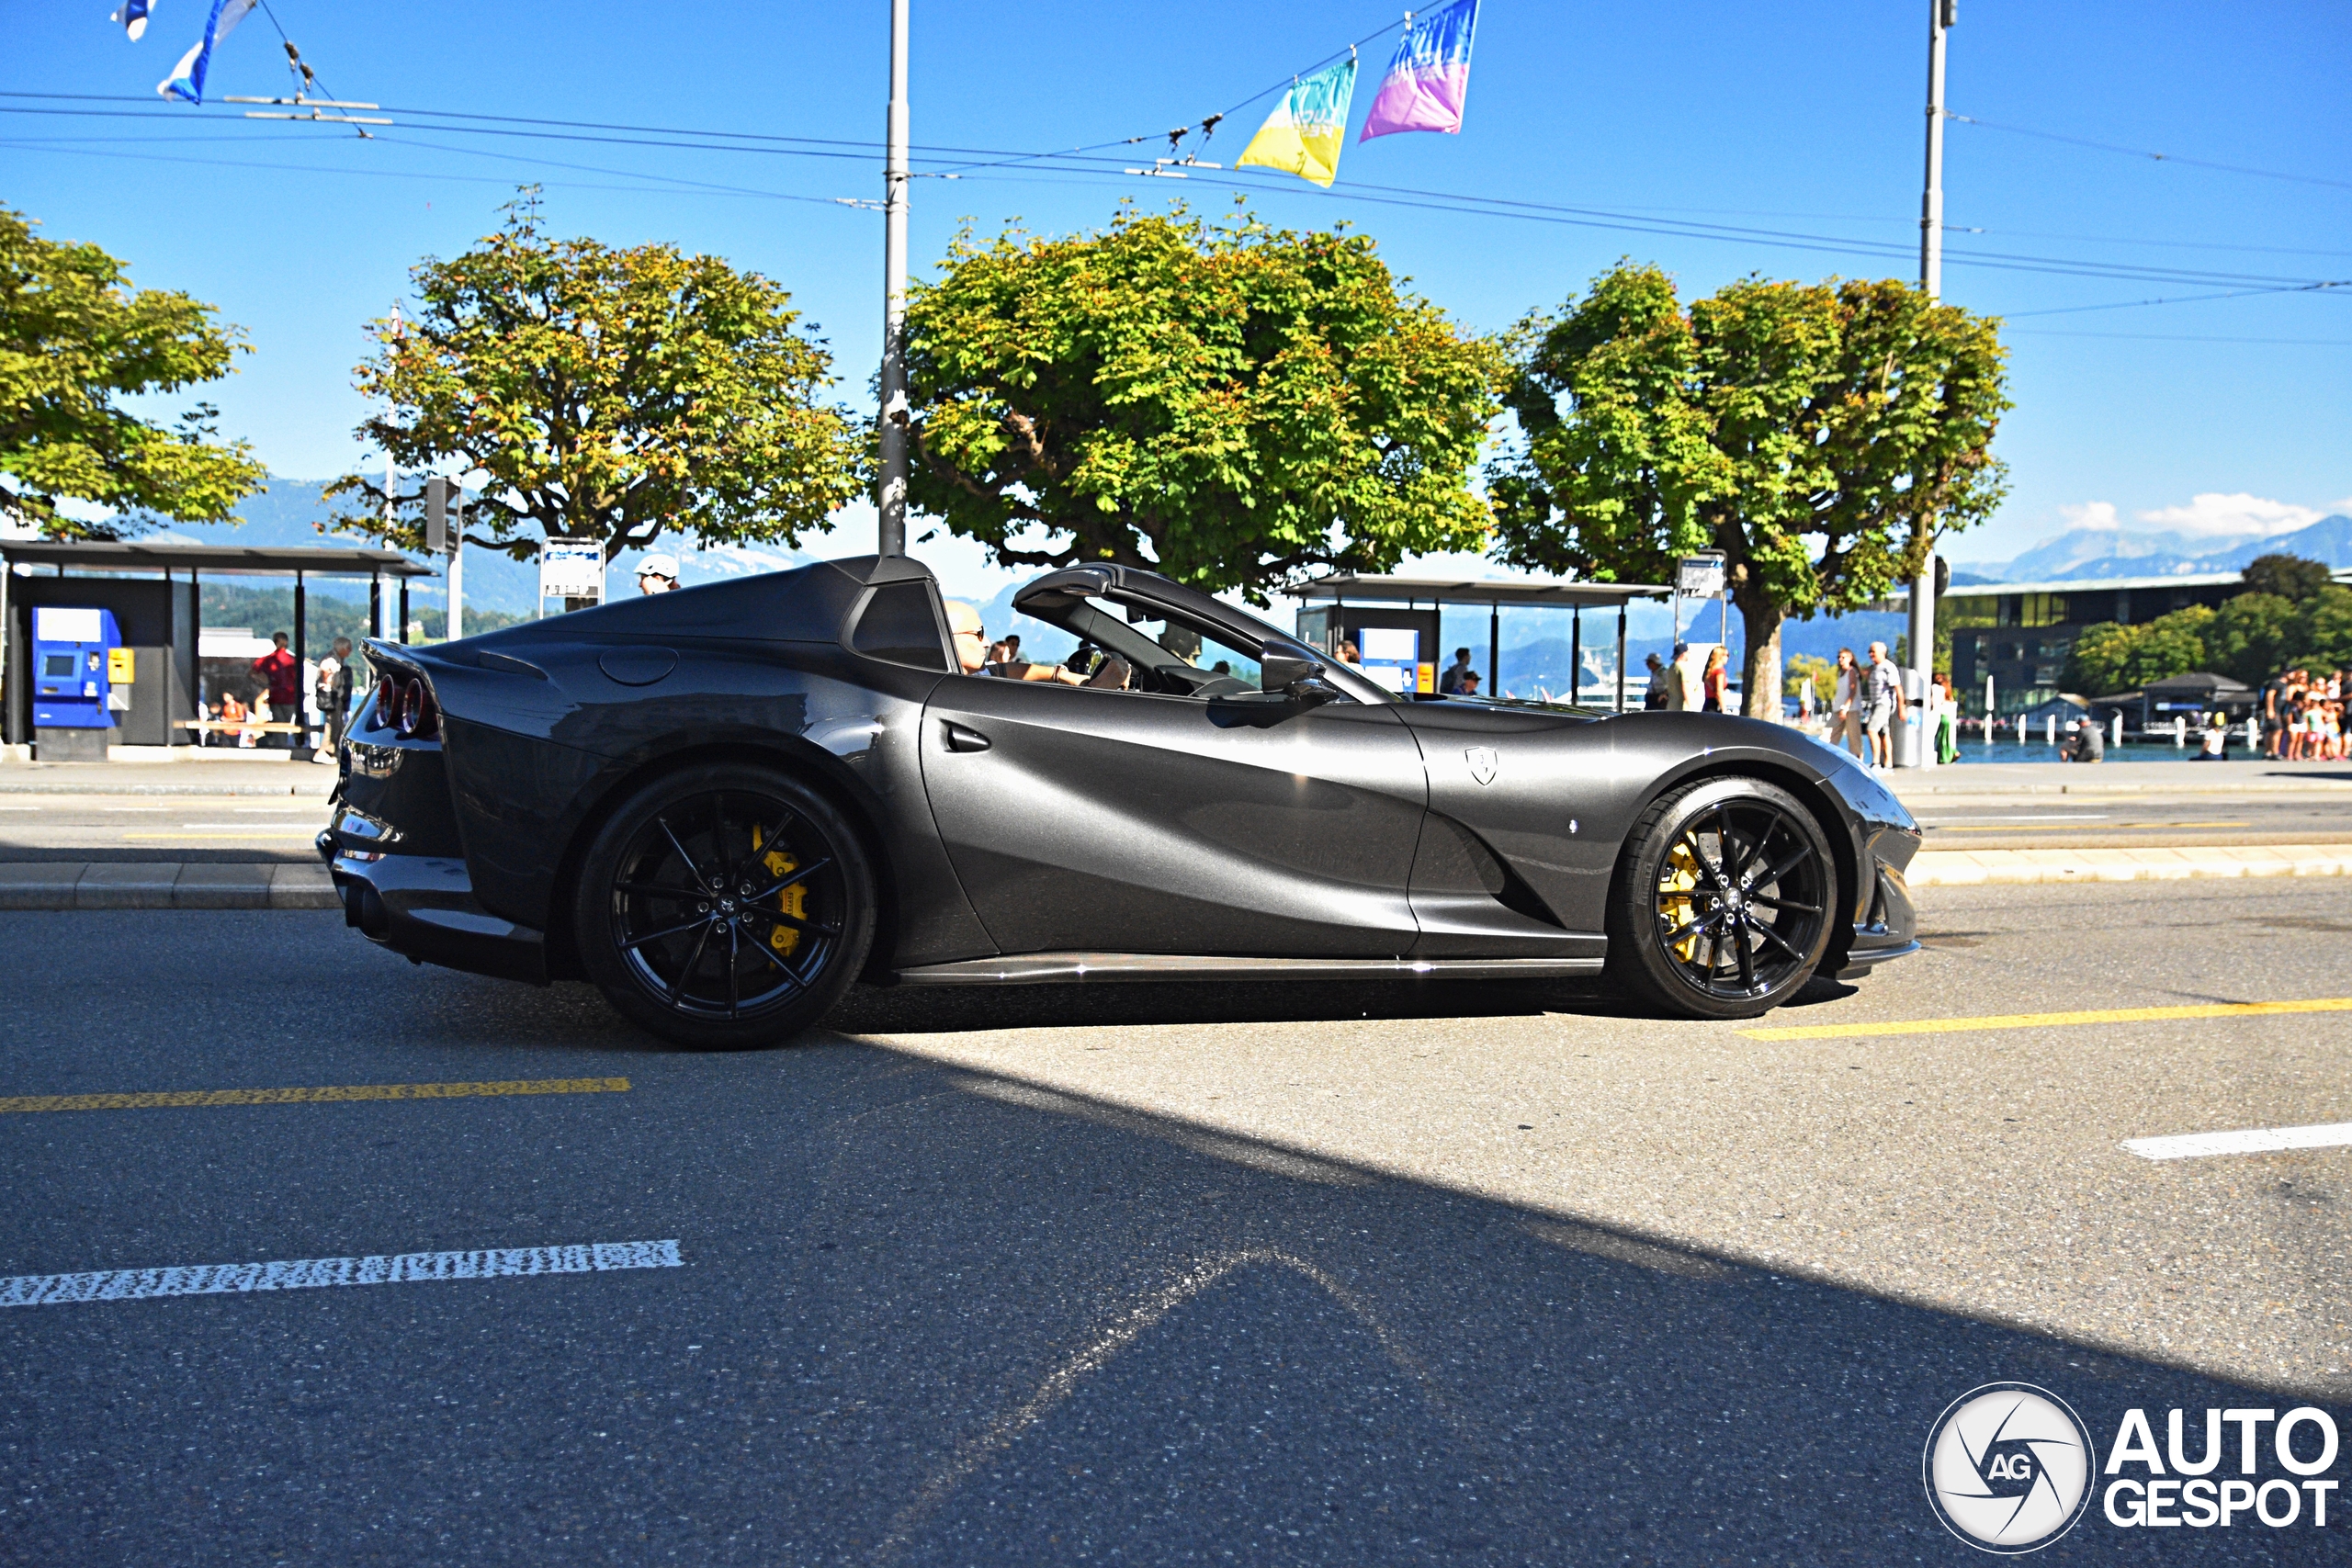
pixel 388 702
pixel 410 715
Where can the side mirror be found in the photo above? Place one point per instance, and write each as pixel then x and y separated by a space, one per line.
pixel 1298 679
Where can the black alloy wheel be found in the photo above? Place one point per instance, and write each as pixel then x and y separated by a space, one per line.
pixel 1725 901
pixel 725 907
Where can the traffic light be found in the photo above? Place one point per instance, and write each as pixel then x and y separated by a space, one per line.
pixel 444 510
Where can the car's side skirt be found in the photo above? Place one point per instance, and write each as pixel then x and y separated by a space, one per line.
pixel 1062 968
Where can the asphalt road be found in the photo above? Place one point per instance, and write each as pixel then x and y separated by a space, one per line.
pixel 2147 822
pixel 1255 1274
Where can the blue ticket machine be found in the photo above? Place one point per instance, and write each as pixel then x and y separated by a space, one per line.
pixel 70 667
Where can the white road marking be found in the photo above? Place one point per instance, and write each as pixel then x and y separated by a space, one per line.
pixel 255 826
pixel 311 1273
pixel 2062 816
pixel 134 809
pixel 2254 1141
pixel 19 809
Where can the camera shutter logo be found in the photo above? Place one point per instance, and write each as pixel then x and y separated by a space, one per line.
pixel 2008 1466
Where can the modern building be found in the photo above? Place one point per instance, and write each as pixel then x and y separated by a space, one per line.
pixel 2019 633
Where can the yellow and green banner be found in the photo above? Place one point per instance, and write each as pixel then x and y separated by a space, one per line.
pixel 1303 134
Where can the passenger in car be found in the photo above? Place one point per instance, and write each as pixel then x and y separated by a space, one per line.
pixel 974 656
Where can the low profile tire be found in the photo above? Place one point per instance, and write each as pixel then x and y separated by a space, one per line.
pixel 725 907
pixel 1725 900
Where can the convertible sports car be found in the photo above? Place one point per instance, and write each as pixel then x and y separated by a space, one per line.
pixel 723 805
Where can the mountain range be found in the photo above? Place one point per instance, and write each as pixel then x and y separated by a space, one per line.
pixel 1534 653
pixel 2119 552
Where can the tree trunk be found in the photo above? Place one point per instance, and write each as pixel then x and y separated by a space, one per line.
pixel 1760 675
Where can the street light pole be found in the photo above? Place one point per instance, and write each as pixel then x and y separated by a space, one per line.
pixel 892 500
pixel 1941 14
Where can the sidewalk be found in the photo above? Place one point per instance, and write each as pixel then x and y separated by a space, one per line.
pixel 2233 778
pixel 1970 868
pixel 164 885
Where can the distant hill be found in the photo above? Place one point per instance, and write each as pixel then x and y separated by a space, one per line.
pixel 2119 552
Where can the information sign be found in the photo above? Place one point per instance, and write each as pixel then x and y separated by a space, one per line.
pixel 571 569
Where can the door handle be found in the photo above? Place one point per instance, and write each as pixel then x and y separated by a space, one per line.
pixel 960 738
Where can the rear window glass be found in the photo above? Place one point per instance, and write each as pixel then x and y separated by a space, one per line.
pixel 900 627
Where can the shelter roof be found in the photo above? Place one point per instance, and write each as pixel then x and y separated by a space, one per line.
pixel 1370 589
pixel 137 554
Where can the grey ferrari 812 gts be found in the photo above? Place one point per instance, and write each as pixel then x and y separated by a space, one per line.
pixel 723 806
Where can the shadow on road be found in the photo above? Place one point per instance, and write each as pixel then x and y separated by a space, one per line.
pixel 927 1316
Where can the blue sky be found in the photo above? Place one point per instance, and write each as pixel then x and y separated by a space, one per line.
pixel 1801 119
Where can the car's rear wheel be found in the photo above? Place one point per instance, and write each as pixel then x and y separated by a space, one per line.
pixel 725 907
pixel 1725 900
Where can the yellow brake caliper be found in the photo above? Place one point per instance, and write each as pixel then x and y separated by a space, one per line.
pixel 1676 880
pixel 793 900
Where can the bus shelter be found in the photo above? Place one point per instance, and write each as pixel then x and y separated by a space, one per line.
pixel 1380 610
pixel 152 591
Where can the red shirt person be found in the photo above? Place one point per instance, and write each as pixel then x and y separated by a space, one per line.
pixel 284 674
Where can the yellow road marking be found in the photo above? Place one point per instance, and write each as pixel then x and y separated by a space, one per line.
pixel 2049 1020
pixel 185 1096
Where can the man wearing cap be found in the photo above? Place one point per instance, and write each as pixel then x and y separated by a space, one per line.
pixel 657 573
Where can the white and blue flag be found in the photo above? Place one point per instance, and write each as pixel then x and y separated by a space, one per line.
pixel 133 18
pixel 186 80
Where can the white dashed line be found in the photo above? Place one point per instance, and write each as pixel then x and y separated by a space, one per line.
pixel 2256 1141
pixel 312 1273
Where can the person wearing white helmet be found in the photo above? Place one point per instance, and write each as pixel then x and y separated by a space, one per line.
pixel 657 573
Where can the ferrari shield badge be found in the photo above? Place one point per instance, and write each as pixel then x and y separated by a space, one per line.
pixel 1482 763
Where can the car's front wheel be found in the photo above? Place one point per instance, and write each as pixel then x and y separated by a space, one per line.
pixel 1725 900
pixel 725 907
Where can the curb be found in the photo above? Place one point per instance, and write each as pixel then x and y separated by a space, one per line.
pixel 1974 868
pixel 165 886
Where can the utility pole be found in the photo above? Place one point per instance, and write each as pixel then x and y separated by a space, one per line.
pixel 1941 14
pixel 892 501
pixel 391 485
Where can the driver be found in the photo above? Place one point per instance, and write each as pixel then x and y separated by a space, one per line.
pixel 972 652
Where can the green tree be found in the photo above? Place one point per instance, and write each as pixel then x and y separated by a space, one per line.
pixel 1799 668
pixel 2108 657
pixel 2099 660
pixel 1229 404
pixel 1821 436
pixel 2324 631
pixel 598 393
pixel 75 338
pixel 2252 636
pixel 2289 577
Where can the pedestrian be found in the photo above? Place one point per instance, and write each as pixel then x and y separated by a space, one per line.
pixel 657 573
pixel 1714 681
pixel 1943 715
pixel 335 694
pixel 1469 687
pixel 1845 705
pixel 2217 739
pixel 1655 699
pixel 1449 682
pixel 284 674
pixel 1882 705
